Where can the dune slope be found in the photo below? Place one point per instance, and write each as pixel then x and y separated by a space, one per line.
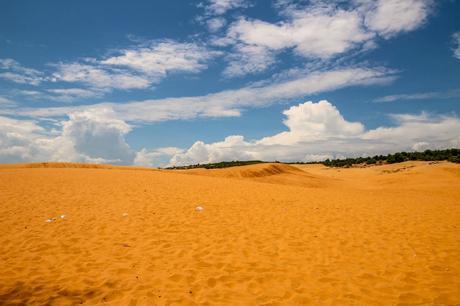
pixel 288 235
pixel 268 173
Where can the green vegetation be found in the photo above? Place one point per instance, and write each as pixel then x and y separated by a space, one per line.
pixel 452 155
pixel 225 164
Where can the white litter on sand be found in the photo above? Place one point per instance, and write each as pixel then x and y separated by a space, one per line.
pixel 199 208
pixel 50 220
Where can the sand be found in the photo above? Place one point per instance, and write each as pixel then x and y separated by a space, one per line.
pixel 267 235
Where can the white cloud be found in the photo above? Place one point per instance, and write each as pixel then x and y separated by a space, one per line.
pixel 137 67
pixel 99 77
pixel 390 17
pixel 94 136
pixel 420 146
pixel 436 131
pixel 5 102
pixel 421 96
pixel 313 121
pixel 319 157
pixel 59 94
pixel 248 59
pixel 29 93
pixel 231 102
pixel 215 24
pixel 17 73
pixel 321 30
pixel 232 148
pixel 18 140
pixel 315 131
pixel 318 131
pixel 99 134
pixel 87 136
pixel 155 158
pixel 71 94
pixel 456 39
pixel 219 7
pixel 159 58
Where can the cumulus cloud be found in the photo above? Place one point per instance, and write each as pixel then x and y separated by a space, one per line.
pixel 231 148
pixel 320 30
pixel 89 136
pixel 313 121
pixel 15 72
pixel 98 134
pixel 420 146
pixel 155 158
pixel 231 102
pixel 456 39
pixel 19 140
pixel 92 136
pixel 316 131
pixel 434 131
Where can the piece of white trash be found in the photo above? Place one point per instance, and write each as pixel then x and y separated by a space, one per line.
pixel 199 208
pixel 62 216
pixel 50 220
pixel 125 214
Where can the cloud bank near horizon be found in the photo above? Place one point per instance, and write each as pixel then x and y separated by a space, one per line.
pixel 314 131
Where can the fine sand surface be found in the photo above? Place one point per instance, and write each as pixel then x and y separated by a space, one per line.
pixel 269 234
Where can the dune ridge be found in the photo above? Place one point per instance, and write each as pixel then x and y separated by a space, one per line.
pixel 251 171
pixel 273 173
pixel 59 165
pixel 268 235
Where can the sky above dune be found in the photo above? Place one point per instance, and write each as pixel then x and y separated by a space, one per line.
pixel 161 83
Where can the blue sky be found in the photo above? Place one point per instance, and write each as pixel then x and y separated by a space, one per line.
pixel 159 83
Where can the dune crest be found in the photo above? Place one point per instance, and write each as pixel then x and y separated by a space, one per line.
pixel 60 165
pixel 274 173
pixel 250 171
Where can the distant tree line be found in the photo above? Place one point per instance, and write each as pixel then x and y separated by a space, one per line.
pixel 452 155
pixel 224 164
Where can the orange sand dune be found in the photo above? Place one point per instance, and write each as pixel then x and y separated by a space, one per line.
pixel 268 235
pixel 267 173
